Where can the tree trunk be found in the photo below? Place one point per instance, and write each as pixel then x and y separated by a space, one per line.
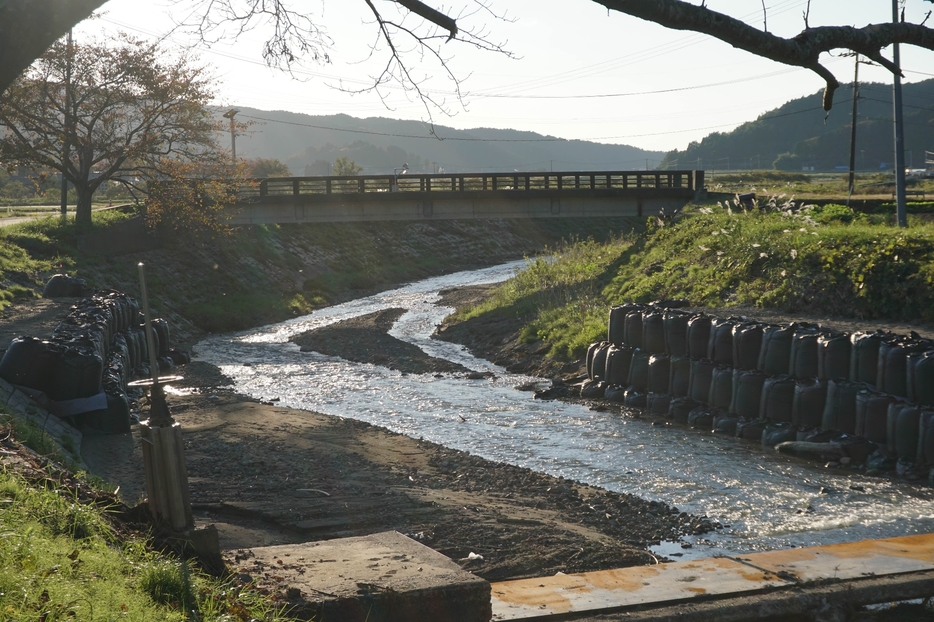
pixel 83 210
pixel 29 27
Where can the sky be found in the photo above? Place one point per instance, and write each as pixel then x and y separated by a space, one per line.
pixel 576 71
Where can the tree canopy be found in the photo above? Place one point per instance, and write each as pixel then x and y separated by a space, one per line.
pixel 123 113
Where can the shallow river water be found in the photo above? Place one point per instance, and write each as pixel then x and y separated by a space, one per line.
pixel 764 500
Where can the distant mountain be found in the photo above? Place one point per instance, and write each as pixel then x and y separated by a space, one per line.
pixel 800 135
pixel 309 144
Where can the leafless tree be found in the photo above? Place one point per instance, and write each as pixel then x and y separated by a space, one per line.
pixel 409 31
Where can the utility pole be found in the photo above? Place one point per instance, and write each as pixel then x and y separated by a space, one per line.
pixel 66 143
pixel 901 211
pixel 230 114
pixel 852 184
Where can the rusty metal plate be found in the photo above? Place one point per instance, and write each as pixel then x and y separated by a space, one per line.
pixel 613 589
pixel 852 560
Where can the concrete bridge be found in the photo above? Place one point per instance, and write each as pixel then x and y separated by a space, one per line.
pixel 464 196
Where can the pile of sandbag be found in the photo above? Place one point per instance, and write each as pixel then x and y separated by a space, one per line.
pixel 81 372
pixel 870 392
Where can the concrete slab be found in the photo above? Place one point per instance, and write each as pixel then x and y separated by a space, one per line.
pixel 610 590
pixel 852 560
pixel 906 563
pixel 384 577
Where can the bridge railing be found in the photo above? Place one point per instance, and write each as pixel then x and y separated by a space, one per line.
pixel 261 189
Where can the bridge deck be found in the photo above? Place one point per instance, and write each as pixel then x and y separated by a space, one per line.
pixel 463 195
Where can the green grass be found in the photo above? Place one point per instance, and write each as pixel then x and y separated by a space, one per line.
pixel 560 292
pixel 816 260
pixel 61 559
pixel 808 184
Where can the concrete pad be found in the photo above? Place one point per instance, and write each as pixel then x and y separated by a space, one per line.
pixel 384 577
pixel 610 590
pixel 851 560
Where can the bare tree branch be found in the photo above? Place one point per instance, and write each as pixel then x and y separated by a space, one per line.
pixel 802 50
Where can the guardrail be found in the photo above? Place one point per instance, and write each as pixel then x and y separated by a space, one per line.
pixel 260 190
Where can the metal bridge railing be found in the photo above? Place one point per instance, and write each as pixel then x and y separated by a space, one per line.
pixel 260 189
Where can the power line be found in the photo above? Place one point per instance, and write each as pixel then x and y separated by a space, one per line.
pixel 520 140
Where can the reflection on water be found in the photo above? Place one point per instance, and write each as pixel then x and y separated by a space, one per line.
pixel 764 500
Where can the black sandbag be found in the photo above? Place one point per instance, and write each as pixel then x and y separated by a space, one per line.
pixel 77 374
pixel 166 364
pixel 926 438
pixel 701 418
pixel 864 356
pixel 634 399
pixel 632 328
pixel 679 408
pixel 115 419
pixel 698 335
pixel 141 355
pixel 591 352
pixel 871 415
pixel 804 433
pixel 659 370
pixel 161 325
pixel 653 331
pixel 920 377
pixel 31 362
pixel 840 408
pixel 775 433
pixel 56 286
pixel 599 361
pixel 593 389
pixel 777 398
pixel 821 436
pixel 833 356
pixel 20 358
pixel 856 448
pixel 891 422
pixel 616 327
pixel 907 433
pixel 615 393
pixel 657 403
pixel 701 375
pixel 750 429
pixel 721 388
pixel 679 377
pixel 775 354
pixel 720 343
pixel 747 342
pixel 807 409
pixel 747 393
pixel 725 424
pixel 803 360
pixel 618 359
pixel 676 332
pixel 639 370
pixel 892 371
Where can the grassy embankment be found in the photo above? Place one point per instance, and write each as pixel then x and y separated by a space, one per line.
pixel 64 557
pixel 268 273
pixel 821 260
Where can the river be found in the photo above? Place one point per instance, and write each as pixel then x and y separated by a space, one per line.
pixel 764 500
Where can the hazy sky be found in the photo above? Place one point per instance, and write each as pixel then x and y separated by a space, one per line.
pixel 579 72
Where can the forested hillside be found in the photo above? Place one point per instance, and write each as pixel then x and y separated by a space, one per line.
pixel 380 145
pixel 800 134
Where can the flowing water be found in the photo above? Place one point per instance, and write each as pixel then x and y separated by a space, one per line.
pixel 764 500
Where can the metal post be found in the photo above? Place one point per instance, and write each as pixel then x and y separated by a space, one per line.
pixel 852 183
pixel 66 142
pixel 159 410
pixel 230 114
pixel 901 210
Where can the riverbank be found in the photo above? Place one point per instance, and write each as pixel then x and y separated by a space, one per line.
pixel 270 475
